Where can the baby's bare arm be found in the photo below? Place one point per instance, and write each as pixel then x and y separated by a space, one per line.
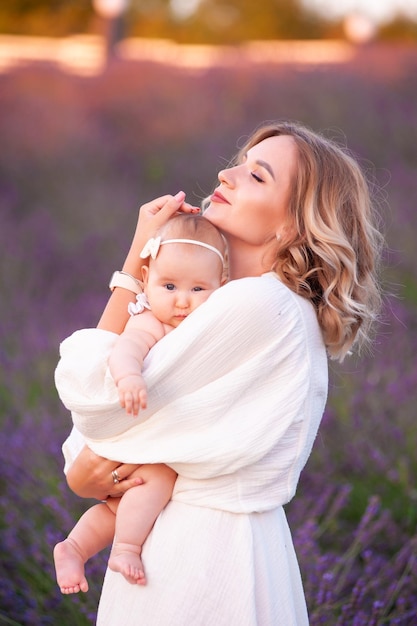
pixel 128 354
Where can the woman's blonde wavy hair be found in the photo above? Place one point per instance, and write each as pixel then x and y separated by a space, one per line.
pixel 332 255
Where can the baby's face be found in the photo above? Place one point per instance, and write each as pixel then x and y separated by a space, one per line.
pixel 180 279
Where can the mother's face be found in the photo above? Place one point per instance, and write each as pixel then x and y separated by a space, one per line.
pixel 251 203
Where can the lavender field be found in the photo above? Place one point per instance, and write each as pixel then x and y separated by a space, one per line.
pixel 78 156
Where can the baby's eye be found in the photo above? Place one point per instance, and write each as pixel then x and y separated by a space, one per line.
pixel 256 177
pixel 170 286
pixel 198 289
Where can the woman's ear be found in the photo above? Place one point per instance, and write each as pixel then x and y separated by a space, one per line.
pixel 286 233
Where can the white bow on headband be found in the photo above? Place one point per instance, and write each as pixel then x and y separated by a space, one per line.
pixel 151 248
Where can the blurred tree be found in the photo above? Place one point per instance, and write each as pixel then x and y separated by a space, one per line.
pixel 188 21
pixel 212 21
pixel 151 18
pixel 233 21
pixel 111 13
pixel 45 17
pixel 225 21
pixel 399 29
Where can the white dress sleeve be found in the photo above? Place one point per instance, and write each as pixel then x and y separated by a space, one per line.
pixel 245 373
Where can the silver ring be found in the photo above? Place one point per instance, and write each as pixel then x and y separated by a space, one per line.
pixel 115 477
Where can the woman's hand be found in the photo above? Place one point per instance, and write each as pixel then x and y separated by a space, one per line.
pixel 152 216
pixel 92 476
pixel 156 213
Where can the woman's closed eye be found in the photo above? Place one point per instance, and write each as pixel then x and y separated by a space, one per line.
pixel 257 177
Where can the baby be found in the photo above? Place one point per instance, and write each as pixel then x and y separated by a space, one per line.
pixel 186 264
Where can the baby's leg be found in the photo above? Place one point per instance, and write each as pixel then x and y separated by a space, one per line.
pixel 137 512
pixel 93 532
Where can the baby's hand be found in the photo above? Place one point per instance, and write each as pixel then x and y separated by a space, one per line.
pixel 132 394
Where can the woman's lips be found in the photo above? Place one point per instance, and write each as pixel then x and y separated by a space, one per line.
pixel 217 197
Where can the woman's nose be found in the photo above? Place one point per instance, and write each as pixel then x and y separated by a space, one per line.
pixel 225 177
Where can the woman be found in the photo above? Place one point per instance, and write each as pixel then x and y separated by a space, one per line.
pixel 237 392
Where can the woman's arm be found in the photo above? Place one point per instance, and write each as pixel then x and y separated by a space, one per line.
pixel 90 476
pixel 152 216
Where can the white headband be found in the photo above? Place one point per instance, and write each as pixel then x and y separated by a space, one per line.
pixel 152 246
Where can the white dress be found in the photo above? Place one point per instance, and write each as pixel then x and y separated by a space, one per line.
pixel 236 395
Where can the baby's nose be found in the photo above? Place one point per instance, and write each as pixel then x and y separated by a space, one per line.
pixel 183 300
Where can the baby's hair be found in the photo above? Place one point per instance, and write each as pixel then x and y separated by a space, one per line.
pixel 196 227
pixel 333 256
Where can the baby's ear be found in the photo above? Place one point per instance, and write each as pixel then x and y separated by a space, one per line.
pixel 145 274
pixel 225 274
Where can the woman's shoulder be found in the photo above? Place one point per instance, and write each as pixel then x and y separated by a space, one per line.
pixel 264 289
pixel 269 300
pixel 250 282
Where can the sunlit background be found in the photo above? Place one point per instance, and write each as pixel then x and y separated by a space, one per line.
pixel 106 105
pixel 378 10
pixel 81 36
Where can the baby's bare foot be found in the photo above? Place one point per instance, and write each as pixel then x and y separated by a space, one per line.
pixel 125 559
pixel 69 567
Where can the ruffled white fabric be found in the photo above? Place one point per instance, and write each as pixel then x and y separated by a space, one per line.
pixel 141 303
pixel 236 395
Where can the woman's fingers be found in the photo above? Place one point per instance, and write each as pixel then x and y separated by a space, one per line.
pixel 124 477
pixel 124 471
pixel 152 216
pixel 176 203
pixel 155 214
pixel 167 202
pixel 118 490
